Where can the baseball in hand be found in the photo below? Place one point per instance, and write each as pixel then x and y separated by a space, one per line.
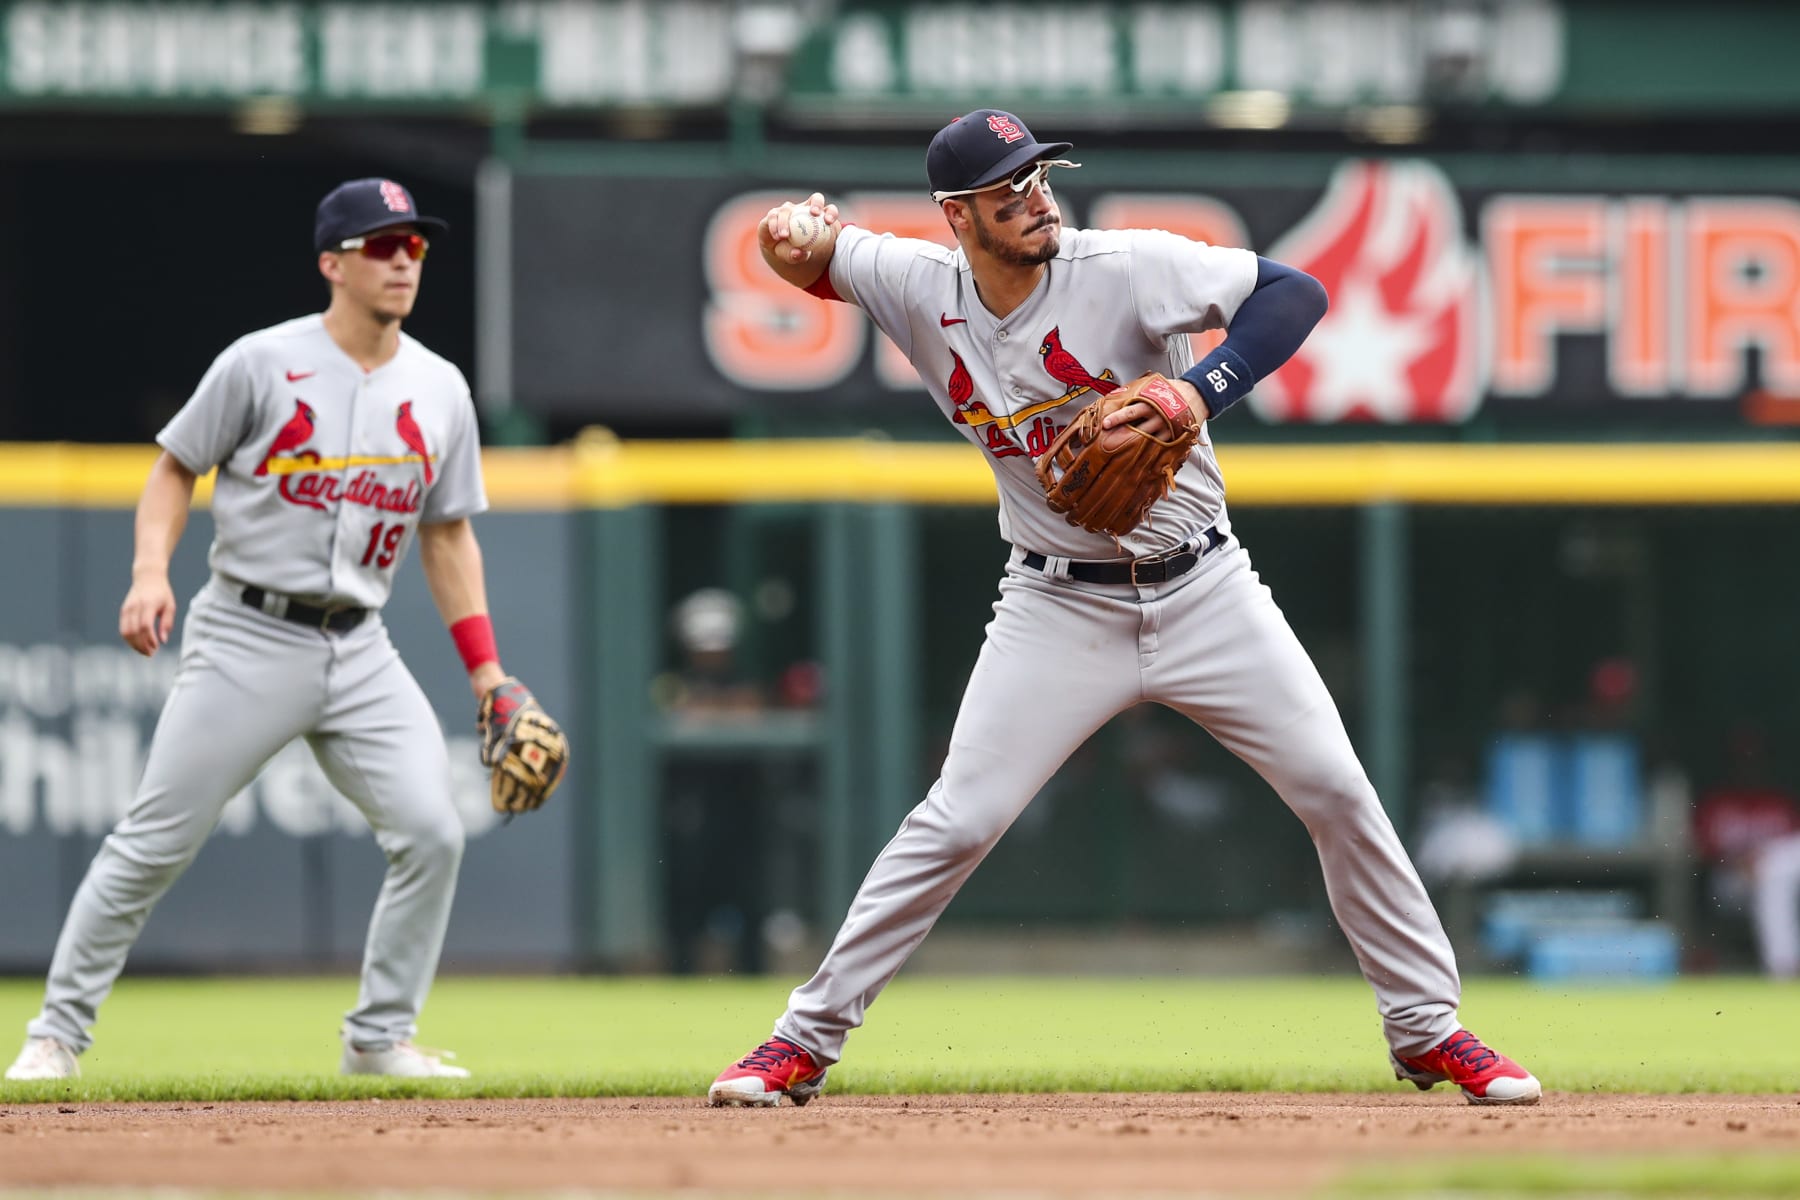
pixel 806 231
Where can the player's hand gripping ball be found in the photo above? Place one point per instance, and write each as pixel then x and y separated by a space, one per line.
pixel 793 232
pixel 1106 480
pixel 525 748
pixel 805 230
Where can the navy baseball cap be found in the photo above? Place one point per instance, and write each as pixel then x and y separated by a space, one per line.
pixel 981 148
pixel 362 205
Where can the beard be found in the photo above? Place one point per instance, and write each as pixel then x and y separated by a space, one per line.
pixel 1017 256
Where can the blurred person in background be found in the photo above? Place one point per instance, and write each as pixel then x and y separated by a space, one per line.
pixel 713 827
pixel 1776 872
pixel 708 625
pixel 1747 829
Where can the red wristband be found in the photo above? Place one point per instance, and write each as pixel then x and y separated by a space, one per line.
pixel 474 637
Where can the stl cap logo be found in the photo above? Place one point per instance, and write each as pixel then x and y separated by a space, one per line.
pixel 1400 342
pixel 394 196
pixel 1006 127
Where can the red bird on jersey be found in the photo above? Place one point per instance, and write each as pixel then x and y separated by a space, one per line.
pixel 1066 369
pixel 961 388
pixel 411 434
pixel 295 434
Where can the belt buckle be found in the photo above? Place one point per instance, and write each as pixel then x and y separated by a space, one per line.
pixel 328 615
pixel 1168 556
pixel 1154 560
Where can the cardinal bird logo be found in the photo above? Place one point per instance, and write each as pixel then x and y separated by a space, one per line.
pixel 1401 342
pixel 295 434
pixel 961 388
pixel 413 436
pixel 1067 370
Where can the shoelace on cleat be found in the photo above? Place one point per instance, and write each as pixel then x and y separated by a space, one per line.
pixel 1468 1050
pixel 770 1055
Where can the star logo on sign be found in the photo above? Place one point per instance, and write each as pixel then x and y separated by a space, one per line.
pixel 1362 351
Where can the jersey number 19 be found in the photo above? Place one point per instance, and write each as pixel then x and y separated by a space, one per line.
pixel 383 546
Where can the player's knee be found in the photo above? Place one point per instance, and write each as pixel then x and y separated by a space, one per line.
pixel 952 830
pixel 971 835
pixel 1326 796
pixel 447 843
pixel 156 855
pixel 969 841
pixel 437 846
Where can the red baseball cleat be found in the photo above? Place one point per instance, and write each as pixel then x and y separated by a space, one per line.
pixel 1485 1076
pixel 776 1068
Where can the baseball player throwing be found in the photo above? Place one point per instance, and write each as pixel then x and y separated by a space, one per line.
pixel 1014 333
pixel 339 440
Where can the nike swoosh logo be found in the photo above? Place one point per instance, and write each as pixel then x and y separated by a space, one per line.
pixel 297 376
pixel 946 320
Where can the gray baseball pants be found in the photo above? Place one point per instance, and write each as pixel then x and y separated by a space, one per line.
pixel 1211 644
pixel 249 684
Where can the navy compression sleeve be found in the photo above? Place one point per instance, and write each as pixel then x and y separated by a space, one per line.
pixel 1269 326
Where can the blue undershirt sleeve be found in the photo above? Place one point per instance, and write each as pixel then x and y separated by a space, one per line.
pixel 1264 333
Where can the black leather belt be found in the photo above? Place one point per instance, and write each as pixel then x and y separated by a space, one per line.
pixel 1157 568
pixel 333 620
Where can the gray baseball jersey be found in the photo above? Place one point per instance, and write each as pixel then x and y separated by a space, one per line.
pixel 1112 305
pixel 325 470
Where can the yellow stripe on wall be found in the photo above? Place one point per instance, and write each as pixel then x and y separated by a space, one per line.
pixel 1759 473
pixel 58 475
pixel 604 472
pixel 613 474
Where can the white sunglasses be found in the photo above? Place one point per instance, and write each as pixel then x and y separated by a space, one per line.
pixel 1021 180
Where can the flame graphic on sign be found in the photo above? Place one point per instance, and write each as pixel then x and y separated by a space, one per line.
pixel 1400 341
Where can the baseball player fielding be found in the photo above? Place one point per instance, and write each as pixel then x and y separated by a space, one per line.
pixel 1014 332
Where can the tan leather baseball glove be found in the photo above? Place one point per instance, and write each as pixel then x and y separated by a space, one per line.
pixel 525 748
pixel 1111 490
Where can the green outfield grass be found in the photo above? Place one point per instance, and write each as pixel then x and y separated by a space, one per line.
pixel 276 1038
pixel 1692 1177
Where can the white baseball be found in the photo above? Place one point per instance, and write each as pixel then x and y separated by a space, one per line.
pixel 805 230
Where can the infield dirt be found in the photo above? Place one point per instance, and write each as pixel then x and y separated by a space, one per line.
pixel 851 1145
